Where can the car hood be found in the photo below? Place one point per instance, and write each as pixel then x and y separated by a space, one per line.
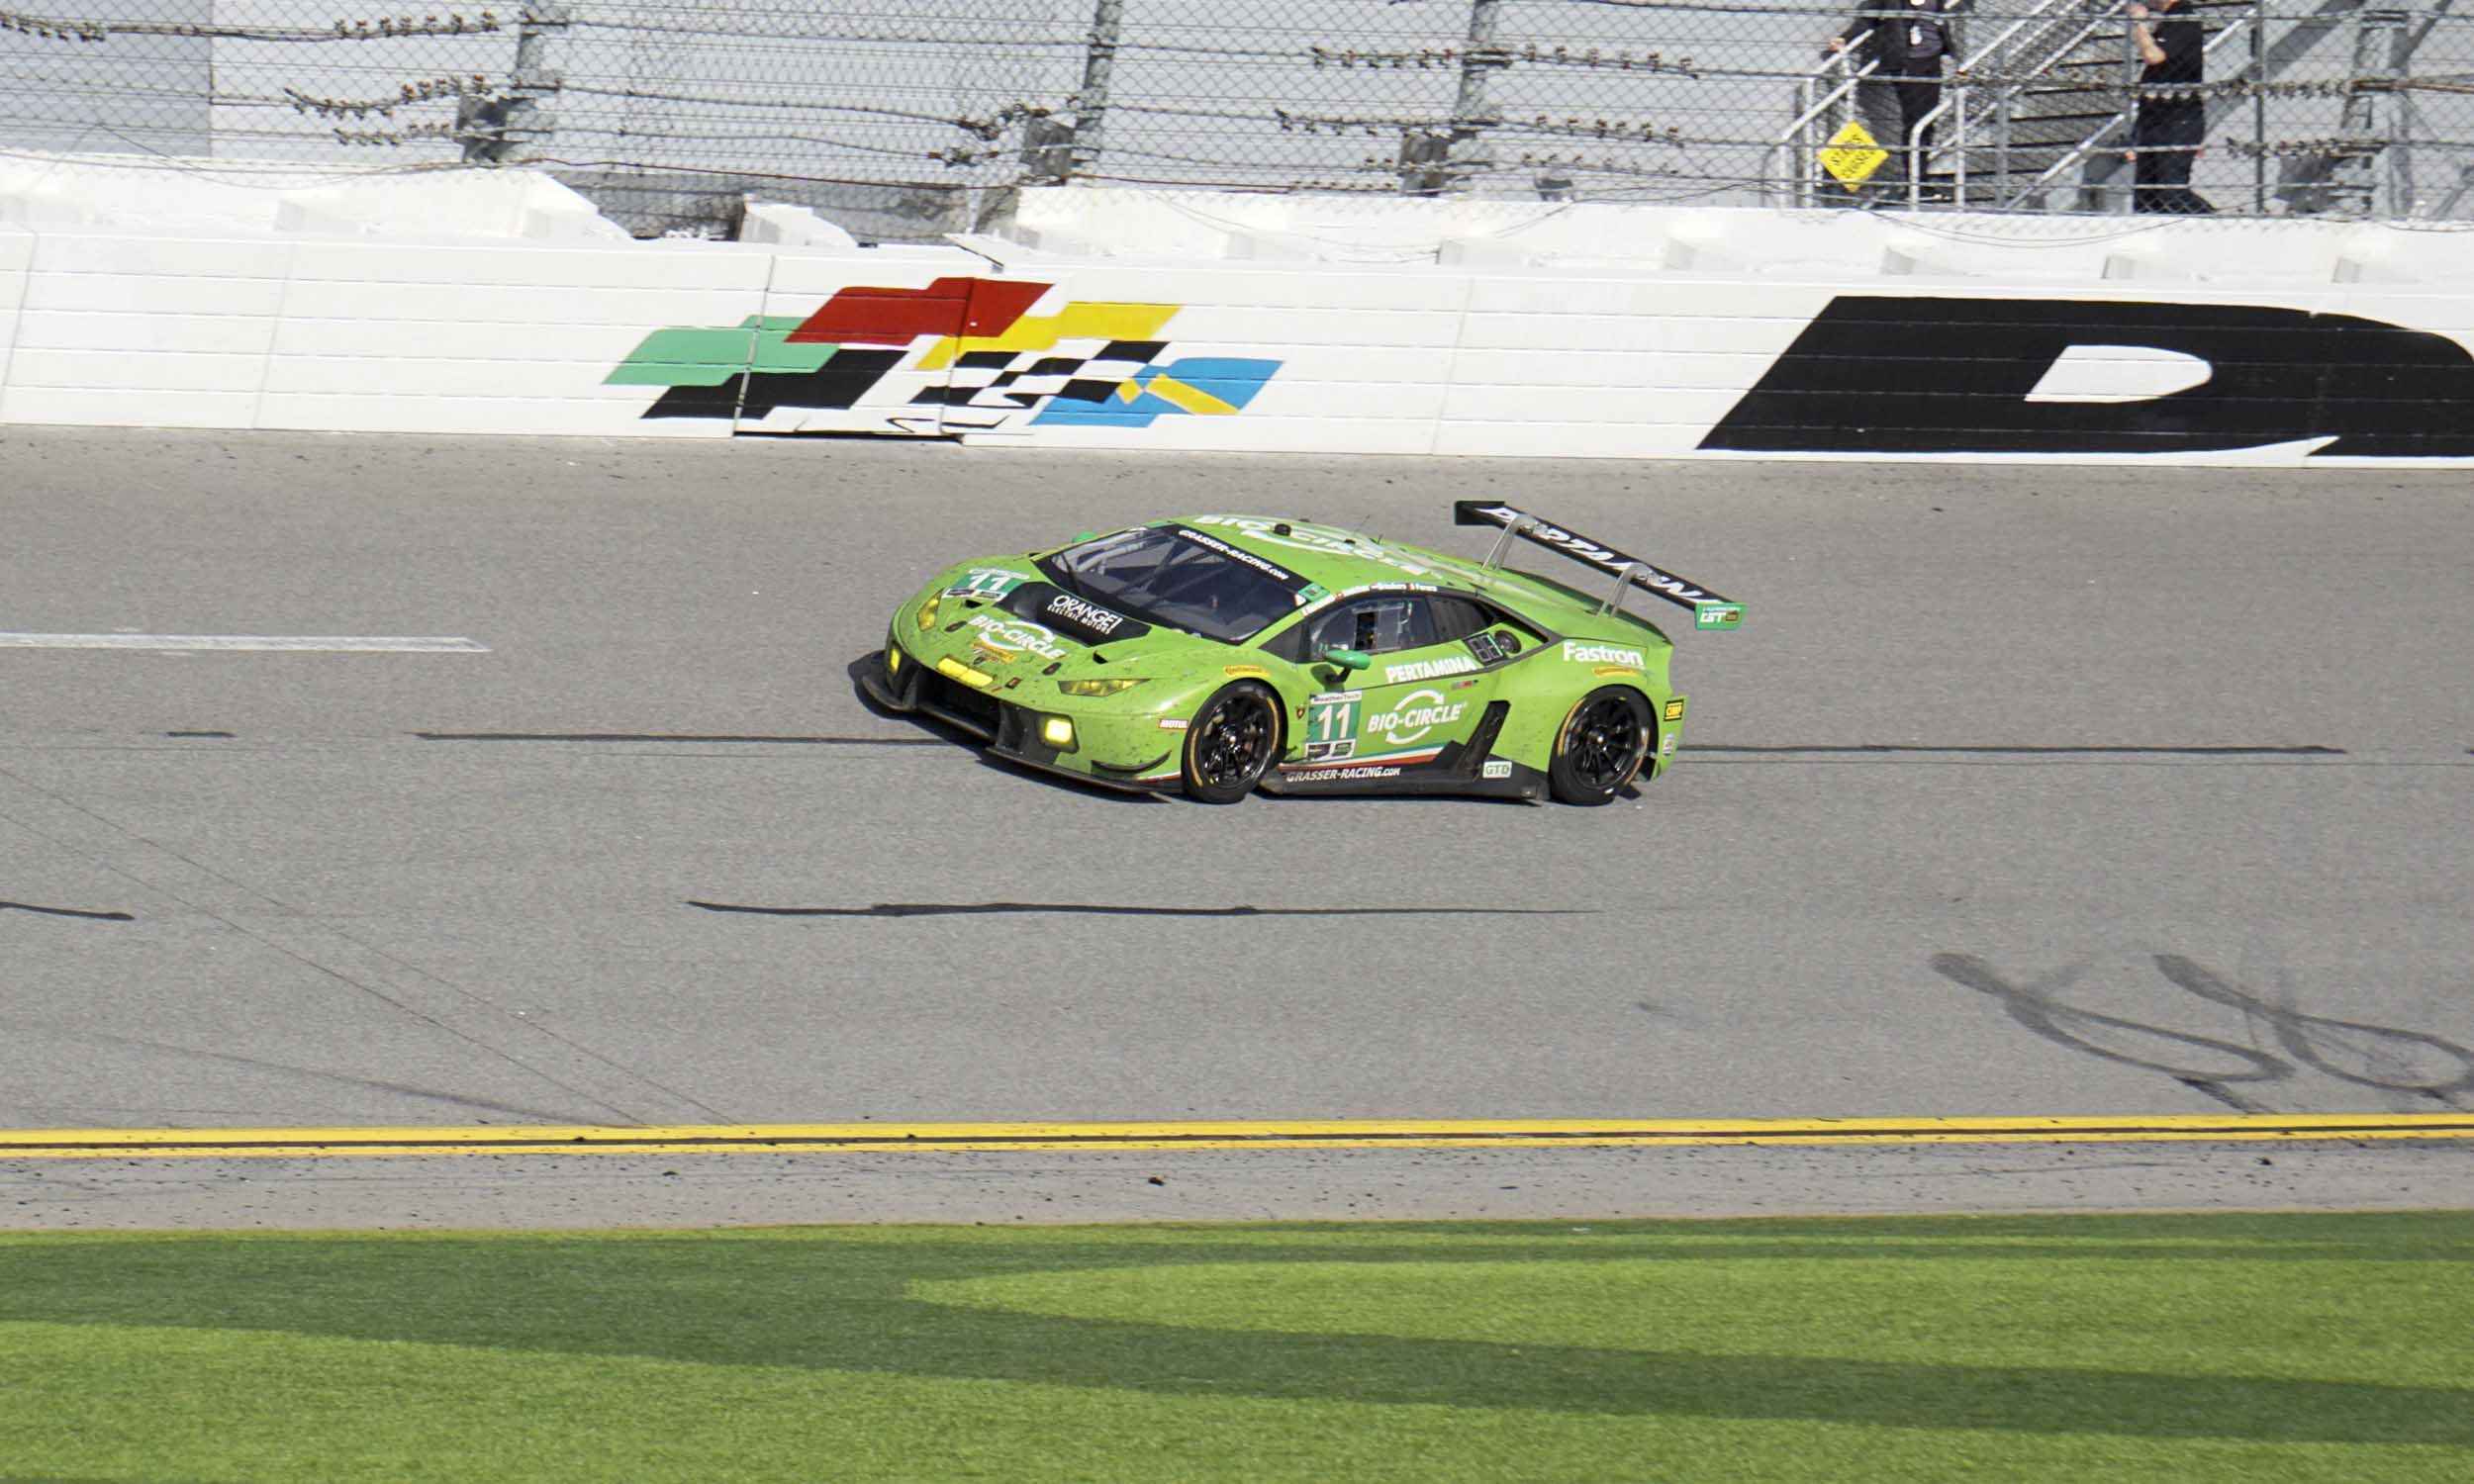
pixel 1032 623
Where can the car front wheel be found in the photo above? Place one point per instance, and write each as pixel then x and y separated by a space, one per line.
pixel 1231 743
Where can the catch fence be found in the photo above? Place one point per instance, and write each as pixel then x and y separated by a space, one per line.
pixel 907 121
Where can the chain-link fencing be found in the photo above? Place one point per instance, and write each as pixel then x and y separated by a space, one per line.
pixel 905 120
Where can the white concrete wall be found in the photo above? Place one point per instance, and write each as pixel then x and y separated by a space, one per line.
pixel 16 254
pixel 1615 356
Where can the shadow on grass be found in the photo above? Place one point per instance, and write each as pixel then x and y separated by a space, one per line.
pixel 841 1302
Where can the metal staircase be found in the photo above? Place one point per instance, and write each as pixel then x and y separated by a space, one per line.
pixel 2038 116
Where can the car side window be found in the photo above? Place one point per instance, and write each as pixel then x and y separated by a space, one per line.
pixel 1378 623
pixel 1456 617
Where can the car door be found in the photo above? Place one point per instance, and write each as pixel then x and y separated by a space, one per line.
pixel 1420 692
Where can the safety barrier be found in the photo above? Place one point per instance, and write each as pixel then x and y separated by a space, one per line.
pixel 1725 333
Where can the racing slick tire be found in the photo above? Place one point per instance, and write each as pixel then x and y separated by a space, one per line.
pixel 1602 746
pixel 1233 741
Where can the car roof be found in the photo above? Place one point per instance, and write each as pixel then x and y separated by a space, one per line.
pixel 1342 559
pixel 1332 555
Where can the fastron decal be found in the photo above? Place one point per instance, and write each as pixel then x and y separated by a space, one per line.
pixel 1600 654
pixel 1932 375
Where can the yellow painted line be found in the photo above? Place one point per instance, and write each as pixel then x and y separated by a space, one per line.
pixel 872 1138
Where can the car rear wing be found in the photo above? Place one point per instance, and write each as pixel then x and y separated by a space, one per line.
pixel 1709 610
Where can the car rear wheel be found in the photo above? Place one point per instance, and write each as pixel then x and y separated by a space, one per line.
pixel 1231 743
pixel 1603 743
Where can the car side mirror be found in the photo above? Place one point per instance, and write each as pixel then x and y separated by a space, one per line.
pixel 1347 658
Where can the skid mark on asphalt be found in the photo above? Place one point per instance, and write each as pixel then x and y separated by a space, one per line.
pixel 2364 1055
pixel 27 906
pixel 2024 749
pixel 22 1031
pixel 976 908
pixel 360 968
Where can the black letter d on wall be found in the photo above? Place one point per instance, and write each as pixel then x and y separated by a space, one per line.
pixel 1886 375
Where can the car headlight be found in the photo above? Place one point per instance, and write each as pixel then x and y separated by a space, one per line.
pixel 927 610
pixel 893 659
pixel 1095 686
pixel 1057 733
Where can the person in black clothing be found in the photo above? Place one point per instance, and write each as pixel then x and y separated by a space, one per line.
pixel 2168 129
pixel 1905 40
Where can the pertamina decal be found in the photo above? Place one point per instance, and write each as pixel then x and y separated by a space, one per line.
pixel 1418 670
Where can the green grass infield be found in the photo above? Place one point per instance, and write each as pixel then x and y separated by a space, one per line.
pixel 2307 1347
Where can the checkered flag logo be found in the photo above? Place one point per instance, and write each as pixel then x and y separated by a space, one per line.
pixel 1018 380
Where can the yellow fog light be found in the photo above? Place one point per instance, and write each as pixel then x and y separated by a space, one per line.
pixel 977 679
pixel 1057 733
pixel 927 610
pixel 1095 686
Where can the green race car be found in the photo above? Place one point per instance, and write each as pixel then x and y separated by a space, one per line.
pixel 1219 654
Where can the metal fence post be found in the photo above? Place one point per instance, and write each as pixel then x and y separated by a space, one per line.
pixel 2259 106
pixel 517 129
pixel 1091 103
pixel 1433 162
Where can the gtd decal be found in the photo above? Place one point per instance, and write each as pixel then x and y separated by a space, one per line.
pixel 1004 633
pixel 1420 712
pixel 1929 375
pixel 1600 654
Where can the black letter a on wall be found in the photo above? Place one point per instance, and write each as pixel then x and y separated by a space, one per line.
pixel 1885 375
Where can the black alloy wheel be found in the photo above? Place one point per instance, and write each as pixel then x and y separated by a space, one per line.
pixel 1602 746
pixel 1231 744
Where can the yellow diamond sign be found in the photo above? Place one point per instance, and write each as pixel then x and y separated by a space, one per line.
pixel 1852 156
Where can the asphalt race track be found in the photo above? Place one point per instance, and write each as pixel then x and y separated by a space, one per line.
pixel 2023 792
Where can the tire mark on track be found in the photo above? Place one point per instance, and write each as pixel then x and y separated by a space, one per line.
pixel 968 909
pixel 744 737
pixel 322 948
pixel 28 907
pixel 2026 749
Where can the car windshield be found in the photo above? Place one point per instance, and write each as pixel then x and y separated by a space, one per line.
pixel 1163 576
